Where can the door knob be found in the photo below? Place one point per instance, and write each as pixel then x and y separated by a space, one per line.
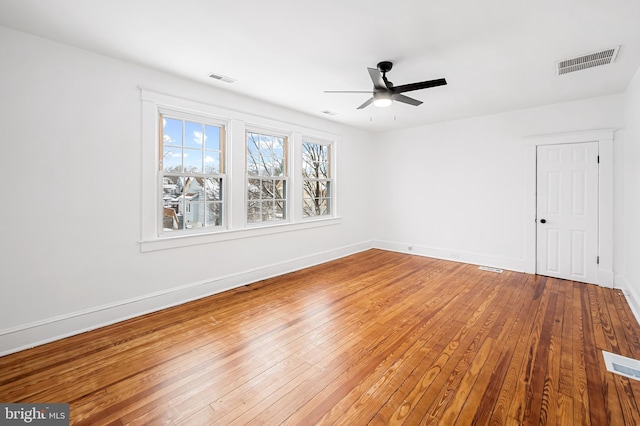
pixel 543 220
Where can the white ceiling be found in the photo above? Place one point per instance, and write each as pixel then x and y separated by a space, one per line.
pixel 496 55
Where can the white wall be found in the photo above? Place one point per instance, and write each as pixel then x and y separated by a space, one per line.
pixel 456 190
pixel 629 277
pixel 71 159
pixel 71 183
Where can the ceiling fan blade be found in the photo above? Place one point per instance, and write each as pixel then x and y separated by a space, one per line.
pixel 366 104
pixel 376 77
pixel 417 86
pixel 347 91
pixel 406 100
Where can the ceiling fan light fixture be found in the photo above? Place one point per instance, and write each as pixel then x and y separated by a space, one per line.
pixel 384 92
pixel 382 100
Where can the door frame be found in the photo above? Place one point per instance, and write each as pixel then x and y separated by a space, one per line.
pixel 604 137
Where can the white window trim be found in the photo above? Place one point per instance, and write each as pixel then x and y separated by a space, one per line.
pixel 249 127
pixel 173 113
pixel 154 101
pixel 332 168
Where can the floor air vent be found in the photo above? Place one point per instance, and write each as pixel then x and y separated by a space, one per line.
pixel 487 268
pixel 591 60
pixel 622 365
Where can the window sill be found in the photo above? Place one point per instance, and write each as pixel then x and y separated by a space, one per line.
pixel 170 242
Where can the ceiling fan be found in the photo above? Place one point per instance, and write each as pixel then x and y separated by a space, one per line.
pixel 384 92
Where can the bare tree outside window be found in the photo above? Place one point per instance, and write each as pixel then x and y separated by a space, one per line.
pixel 316 174
pixel 266 177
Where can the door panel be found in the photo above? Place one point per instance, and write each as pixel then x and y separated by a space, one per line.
pixel 567 211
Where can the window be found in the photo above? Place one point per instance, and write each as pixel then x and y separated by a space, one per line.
pixel 266 177
pixel 191 171
pixel 316 176
pixel 200 185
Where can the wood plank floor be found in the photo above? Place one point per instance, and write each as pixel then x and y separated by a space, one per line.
pixel 373 338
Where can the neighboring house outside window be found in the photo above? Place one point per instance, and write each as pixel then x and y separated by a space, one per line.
pixel 266 155
pixel 317 182
pixel 192 172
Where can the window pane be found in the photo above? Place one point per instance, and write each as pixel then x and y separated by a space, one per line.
pixel 253 211
pixel 253 187
pixel 308 207
pixel 212 162
pixel 194 214
pixel 324 206
pixel 315 188
pixel 280 210
pixel 278 167
pixel 278 148
pixel 315 161
pixel 279 189
pixel 172 159
pixel 212 137
pixel 266 143
pixel 278 143
pixel 323 189
pixel 172 216
pixel 266 166
pixel 192 160
pixel 213 214
pixel 267 189
pixel 193 188
pixel 172 203
pixel 268 210
pixel 307 170
pixel 171 131
pixel 252 166
pixel 193 135
pixel 213 189
pixel 252 145
pixel 315 206
pixel 322 170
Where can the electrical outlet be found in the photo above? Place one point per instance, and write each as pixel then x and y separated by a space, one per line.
pixel 410 248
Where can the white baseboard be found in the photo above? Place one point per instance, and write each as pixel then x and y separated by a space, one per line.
pixel 633 298
pixel 511 264
pixel 37 333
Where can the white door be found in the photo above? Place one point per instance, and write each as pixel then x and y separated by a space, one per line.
pixel 567 211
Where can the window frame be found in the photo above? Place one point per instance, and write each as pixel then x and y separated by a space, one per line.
pixel 203 120
pixel 152 101
pixel 329 180
pixel 285 178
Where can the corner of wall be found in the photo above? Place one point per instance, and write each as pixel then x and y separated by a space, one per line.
pixel 633 298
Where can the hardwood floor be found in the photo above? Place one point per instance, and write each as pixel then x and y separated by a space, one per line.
pixel 373 338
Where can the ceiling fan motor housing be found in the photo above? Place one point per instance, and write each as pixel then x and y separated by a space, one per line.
pixel 385 66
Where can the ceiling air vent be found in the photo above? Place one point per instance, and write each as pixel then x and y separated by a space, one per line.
pixel 591 60
pixel 222 78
